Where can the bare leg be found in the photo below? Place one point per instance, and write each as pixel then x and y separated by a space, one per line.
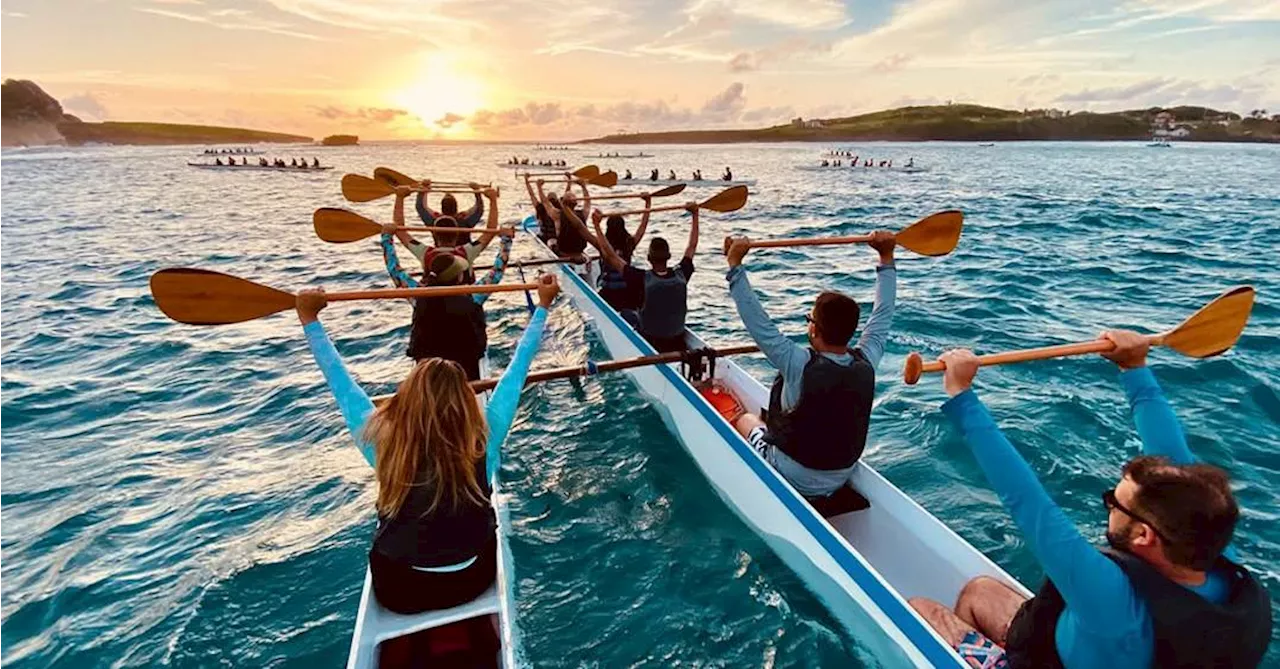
pixel 947 624
pixel 746 423
pixel 989 606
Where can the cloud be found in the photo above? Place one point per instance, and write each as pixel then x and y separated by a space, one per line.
pixel 1163 91
pixel 1128 93
pixel 406 17
pixel 449 120
pixel 768 115
pixel 788 49
pixel 726 104
pixel 232 19
pixel 86 107
pixel 796 14
pixel 372 114
pixel 16 15
pixel 892 63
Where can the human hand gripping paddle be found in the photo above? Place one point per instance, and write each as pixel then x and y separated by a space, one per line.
pixel 606 179
pixel 204 297
pixel 933 235
pixel 1208 332
pixel 585 172
pixel 360 188
pixel 729 199
pixel 339 226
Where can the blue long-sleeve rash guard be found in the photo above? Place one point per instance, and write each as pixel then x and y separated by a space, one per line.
pixel 1105 621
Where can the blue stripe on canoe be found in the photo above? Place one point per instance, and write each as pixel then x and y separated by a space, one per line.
pixel 896 610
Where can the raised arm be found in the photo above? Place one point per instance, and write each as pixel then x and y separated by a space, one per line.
pixel 353 402
pixel 491 229
pixel 494 275
pixel 500 411
pixel 787 356
pixel 607 252
pixel 692 246
pixel 399 277
pixel 875 336
pixel 424 212
pixel 644 223
pixel 570 217
pixel 1157 425
pixel 473 216
pixel 1096 590
pixel 397 217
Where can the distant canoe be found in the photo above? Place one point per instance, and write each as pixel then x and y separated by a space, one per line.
pixel 692 183
pixel 631 155
pixel 859 168
pixel 258 168
pixel 522 166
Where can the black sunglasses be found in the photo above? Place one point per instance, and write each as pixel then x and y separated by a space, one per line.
pixel 1110 502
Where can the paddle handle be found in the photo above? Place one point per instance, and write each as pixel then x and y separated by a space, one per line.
pixel 430 291
pixel 632 212
pixel 810 241
pixel 588 370
pixel 916 366
pixel 616 196
pixel 508 231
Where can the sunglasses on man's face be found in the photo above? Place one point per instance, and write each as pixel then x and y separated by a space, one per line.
pixel 1110 502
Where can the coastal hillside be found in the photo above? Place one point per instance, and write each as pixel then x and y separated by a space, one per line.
pixel 963 122
pixel 32 117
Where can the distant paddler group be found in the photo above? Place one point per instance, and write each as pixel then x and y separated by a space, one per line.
pixel 1170 590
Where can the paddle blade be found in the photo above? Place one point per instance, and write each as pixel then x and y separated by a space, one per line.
pixel 360 188
pixel 589 172
pixel 608 179
pixel 393 177
pixel 202 297
pixel 1215 327
pixel 730 199
pixel 340 226
pixel 674 189
pixel 934 235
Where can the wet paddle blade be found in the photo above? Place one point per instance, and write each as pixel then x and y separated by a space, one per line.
pixel 360 188
pixel 393 177
pixel 674 189
pixel 589 172
pixel 730 199
pixel 340 226
pixel 1214 328
pixel 202 297
pixel 608 179
pixel 934 235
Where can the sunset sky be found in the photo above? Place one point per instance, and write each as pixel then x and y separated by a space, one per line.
pixel 556 69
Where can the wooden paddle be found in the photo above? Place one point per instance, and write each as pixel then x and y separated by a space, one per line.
pixel 1212 330
pixel 933 235
pixel 661 192
pixel 607 179
pixel 339 226
pixel 591 369
pixel 587 172
pixel 729 199
pixel 400 179
pixel 537 263
pixel 203 297
pixel 360 188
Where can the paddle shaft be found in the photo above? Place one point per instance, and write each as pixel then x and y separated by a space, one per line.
pixel 428 291
pixel 508 231
pixel 811 241
pixel 615 365
pixel 914 368
pixel 632 212
pixel 536 263
pixel 616 196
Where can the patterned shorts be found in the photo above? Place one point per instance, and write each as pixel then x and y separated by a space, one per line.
pixel 979 652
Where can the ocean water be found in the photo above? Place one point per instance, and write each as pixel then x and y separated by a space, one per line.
pixel 185 496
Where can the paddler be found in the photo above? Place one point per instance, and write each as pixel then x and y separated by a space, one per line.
pixel 435 455
pixel 665 289
pixel 1170 590
pixel 820 403
pixel 569 240
pixel 626 297
pixel 449 207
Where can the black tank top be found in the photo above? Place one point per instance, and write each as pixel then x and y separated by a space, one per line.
pixel 827 428
pixel 444 537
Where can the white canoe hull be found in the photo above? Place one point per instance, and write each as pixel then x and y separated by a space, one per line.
pixel 863 565
pixel 375 625
pixel 260 168
pixel 858 168
pixel 702 183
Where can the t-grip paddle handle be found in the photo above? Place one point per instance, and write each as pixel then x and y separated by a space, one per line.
pixel 915 366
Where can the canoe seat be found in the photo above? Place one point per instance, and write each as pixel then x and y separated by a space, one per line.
pixel 387 625
pixel 844 500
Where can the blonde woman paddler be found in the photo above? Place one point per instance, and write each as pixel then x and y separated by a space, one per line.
pixel 435 454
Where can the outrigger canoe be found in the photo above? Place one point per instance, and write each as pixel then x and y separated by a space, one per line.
pixel 859 168
pixel 383 639
pixel 691 183
pixel 863 563
pixel 259 168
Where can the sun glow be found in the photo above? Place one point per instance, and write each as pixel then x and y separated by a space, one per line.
pixel 442 96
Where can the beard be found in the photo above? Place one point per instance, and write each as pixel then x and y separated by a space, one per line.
pixel 1120 541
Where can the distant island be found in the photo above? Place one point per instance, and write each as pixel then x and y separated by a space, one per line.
pixel 976 123
pixel 340 140
pixel 32 117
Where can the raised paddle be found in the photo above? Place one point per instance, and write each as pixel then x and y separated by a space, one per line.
pixel 587 172
pixel 593 368
pixel 674 189
pixel 934 235
pixel 203 297
pixel 400 179
pixel 607 179
pixel 537 263
pixel 1206 333
pixel 360 188
pixel 729 199
pixel 339 226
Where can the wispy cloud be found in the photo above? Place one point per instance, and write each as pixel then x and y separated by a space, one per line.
pixel 231 19
pixel 374 114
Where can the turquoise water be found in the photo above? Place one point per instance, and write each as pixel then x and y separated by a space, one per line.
pixel 188 496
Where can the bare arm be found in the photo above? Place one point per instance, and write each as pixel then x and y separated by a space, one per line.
pixel 607 253
pixel 644 223
pixel 397 217
pixel 491 229
pixel 692 247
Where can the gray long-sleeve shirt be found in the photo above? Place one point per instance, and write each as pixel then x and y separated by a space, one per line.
pixel 789 357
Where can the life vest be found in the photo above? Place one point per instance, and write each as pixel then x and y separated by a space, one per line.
pixel 615 290
pixel 450 327
pixel 1190 631
pixel 666 302
pixel 446 536
pixel 827 429
pixel 569 241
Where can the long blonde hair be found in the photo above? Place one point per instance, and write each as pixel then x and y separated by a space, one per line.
pixel 432 425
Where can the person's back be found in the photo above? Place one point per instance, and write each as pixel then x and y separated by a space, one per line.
pixel 450 327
